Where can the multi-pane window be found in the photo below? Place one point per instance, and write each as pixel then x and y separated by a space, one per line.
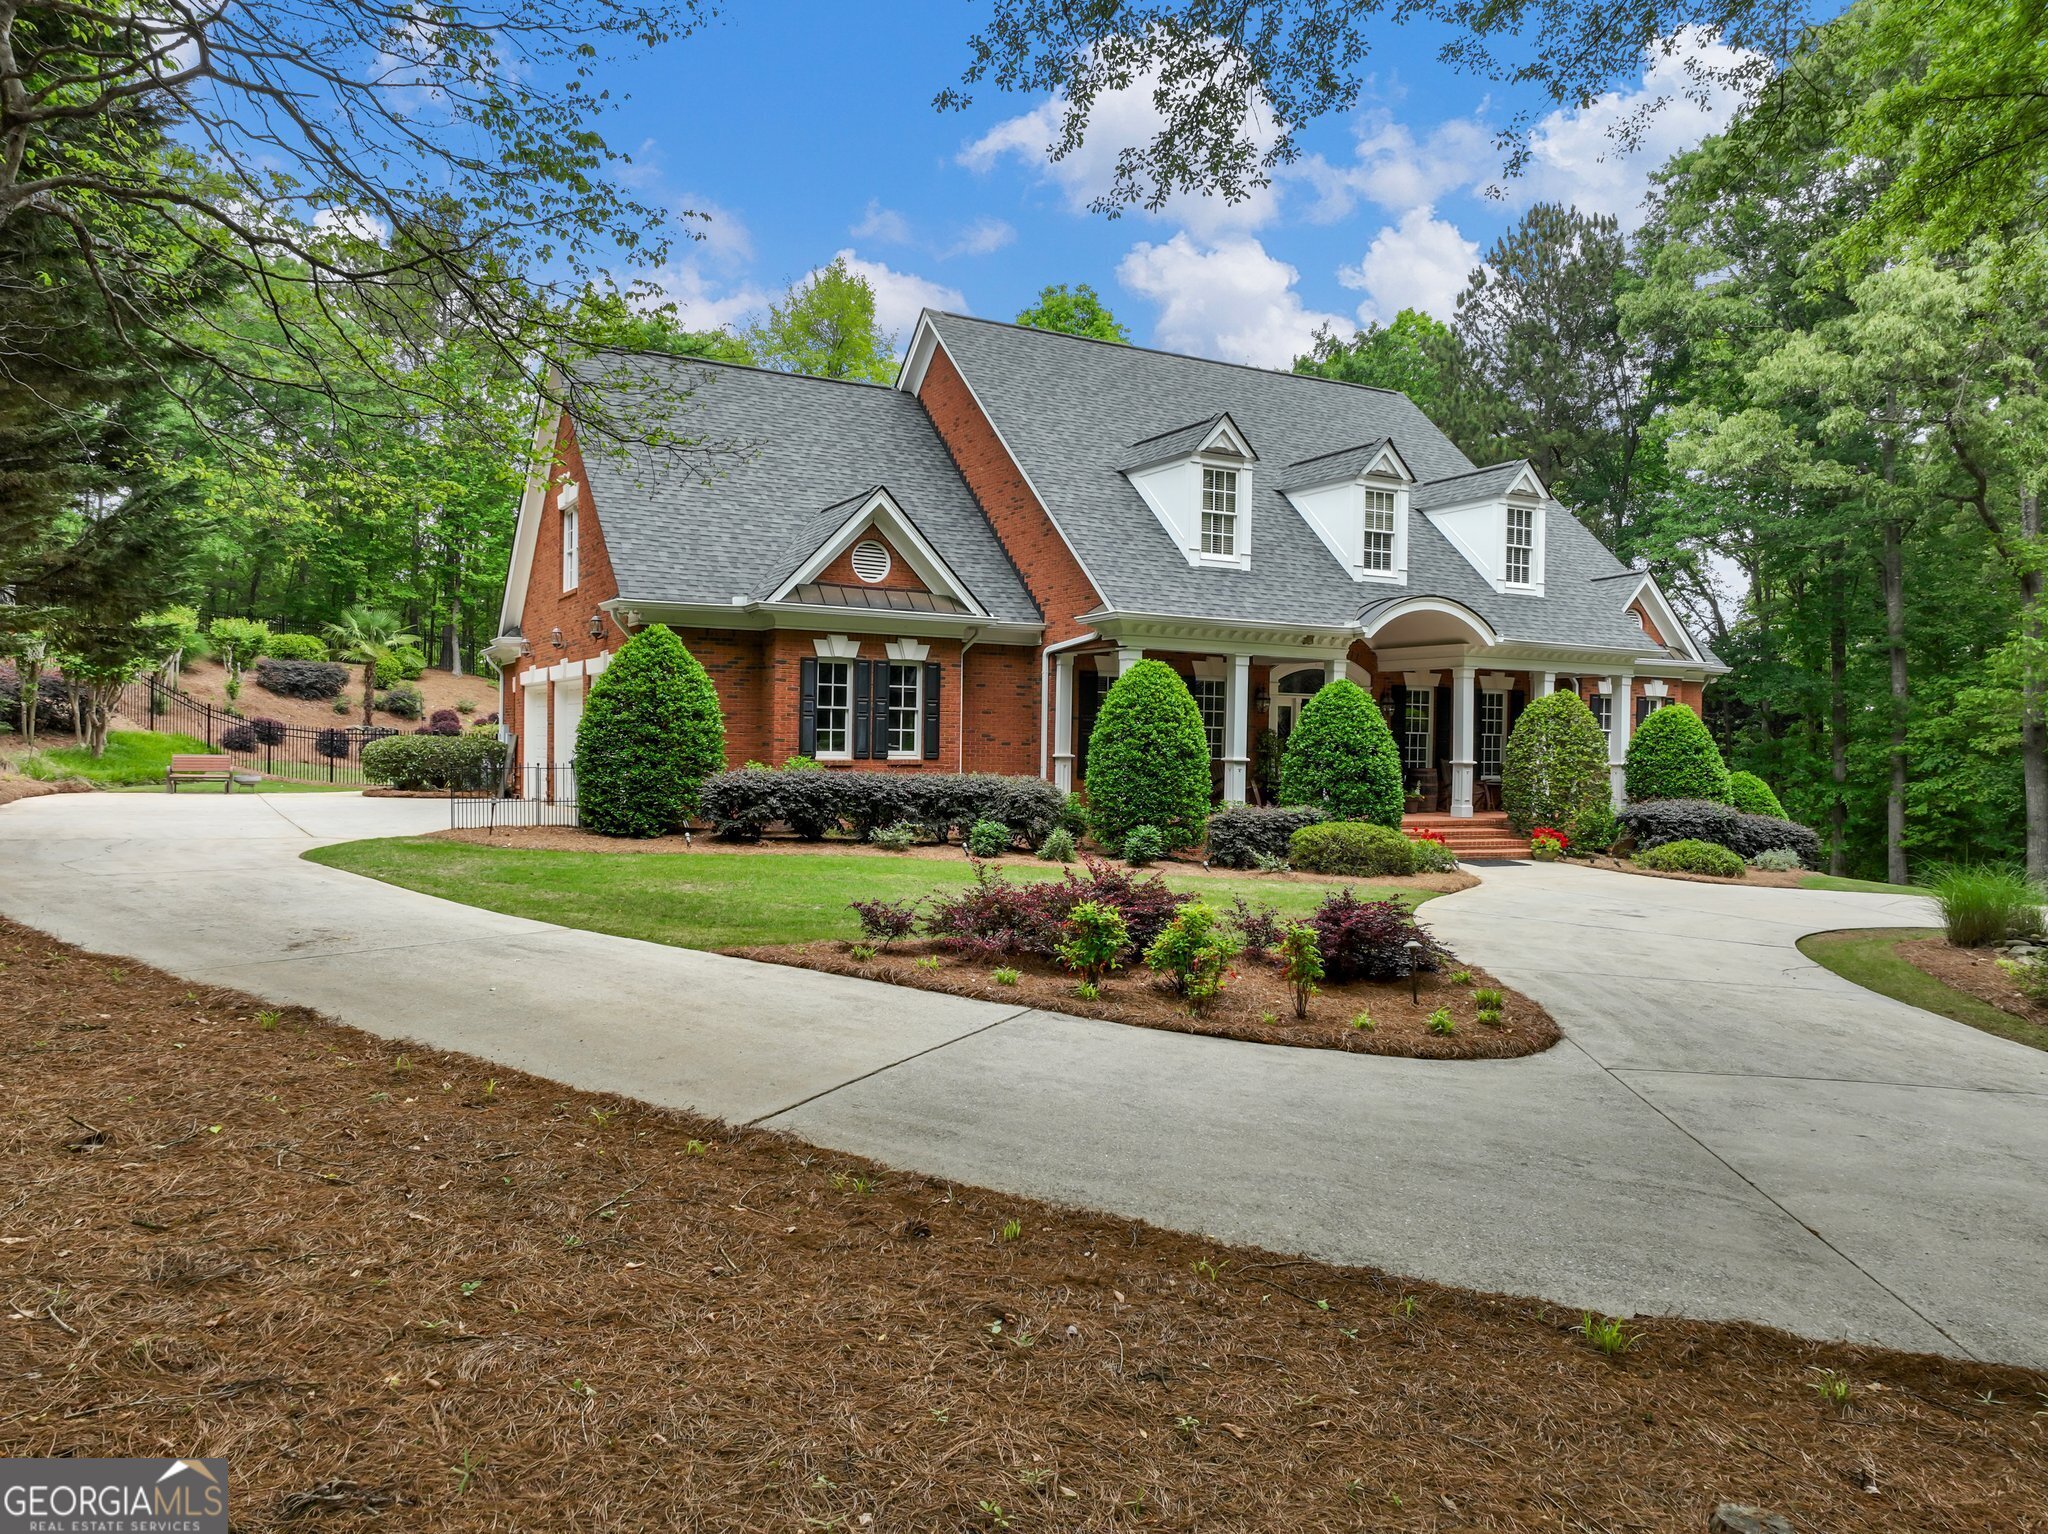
pixel 1603 713
pixel 1521 545
pixel 1379 530
pixel 904 712
pixel 835 708
pixel 1209 700
pixel 1418 739
pixel 1219 511
pixel 1493 722
pixel 569 555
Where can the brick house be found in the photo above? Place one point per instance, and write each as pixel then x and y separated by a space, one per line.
pixel 948 573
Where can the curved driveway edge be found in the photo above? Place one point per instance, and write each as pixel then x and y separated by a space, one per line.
pixel 1727 1131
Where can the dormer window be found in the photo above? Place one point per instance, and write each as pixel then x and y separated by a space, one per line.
pixel 1376 557
pixel 1219 512
pixel 1356 500
pixel 1521 546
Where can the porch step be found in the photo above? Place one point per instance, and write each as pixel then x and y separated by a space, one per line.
pixel 1471 836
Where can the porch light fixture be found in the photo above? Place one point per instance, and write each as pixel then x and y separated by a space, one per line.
pixel 555 638
pixel 1261 700
pixel 597 625
pixel 1414 980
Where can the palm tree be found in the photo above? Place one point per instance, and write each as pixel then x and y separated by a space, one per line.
pixel 369 636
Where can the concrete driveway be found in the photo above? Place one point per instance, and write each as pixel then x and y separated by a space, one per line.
pixel 1728 1130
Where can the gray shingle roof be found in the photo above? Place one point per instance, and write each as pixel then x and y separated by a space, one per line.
pixel 1332 468
pixel 1070 408
pixel 1168 445
pixel 807 448
pixel 1475 486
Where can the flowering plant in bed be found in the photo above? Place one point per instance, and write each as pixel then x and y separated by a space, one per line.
pixel 1546 845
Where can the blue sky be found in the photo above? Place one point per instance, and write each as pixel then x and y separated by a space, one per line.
pixel 806 130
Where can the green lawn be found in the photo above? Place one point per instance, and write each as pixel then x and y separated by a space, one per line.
pixel 723 899
pixel 133 756
pixel 1866 958
pixel 1856 886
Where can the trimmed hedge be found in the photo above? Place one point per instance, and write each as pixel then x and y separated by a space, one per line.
pixel 651 734
pixel 1752 795
pixel 301 678
pixel 1148 759
pixel 295 647
pixel 1240 834
pixel 435 761
pixel 1341 758
pixel 1692 857
pixel 1352 847
pixel 1554 769
pixel 742 805
pixel 1675 820
pixel 1671 756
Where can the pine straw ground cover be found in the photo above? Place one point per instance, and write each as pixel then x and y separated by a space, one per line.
pixel 1255 1004
pixel 400 1290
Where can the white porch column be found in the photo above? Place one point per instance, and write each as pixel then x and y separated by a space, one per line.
pixel 1063 721
pixel 1462 706
pixel 1237 714
pixel 1546 683
pixel 1620 720
pixel 1127 656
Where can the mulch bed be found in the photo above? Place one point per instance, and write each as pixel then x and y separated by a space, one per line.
pixel 400 1289
pixel 1974 970
pixel 12 789
pixel 1762 878
pixel 1255 1005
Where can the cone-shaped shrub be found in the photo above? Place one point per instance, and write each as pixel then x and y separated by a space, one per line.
pixel 1342 759
pixel 1752 795
pixel 1673 757
pixel 1553 770
pixel 1148 759
pixel 652 732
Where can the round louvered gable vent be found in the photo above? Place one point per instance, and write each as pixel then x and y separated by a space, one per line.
pixel 870 560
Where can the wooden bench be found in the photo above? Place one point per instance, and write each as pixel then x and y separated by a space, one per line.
pixel 192 767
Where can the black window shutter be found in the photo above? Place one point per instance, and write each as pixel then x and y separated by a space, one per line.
pixel 878 710
pixel 807 706
pixel 932 672
pixel 1084 727
pixel 1642 710
pixel 1442 722
pixel 861 672
pixel 1517 701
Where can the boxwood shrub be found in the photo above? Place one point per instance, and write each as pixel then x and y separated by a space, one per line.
pixel 295 647
pixel 651 733
pixel 1692 857
pixel 1148 759
pixel 1352 847
pixel 1671 756
pixel 1752 795
pixel 403 664
pixel 301 678
pixel 742 805
pixel 1672 820
pixel 1341 757
pixel 435 761
pixel 1240 834
pixel 1554 769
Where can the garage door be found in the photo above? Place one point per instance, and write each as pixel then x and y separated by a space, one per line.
pixel 533 745
pixel 568 718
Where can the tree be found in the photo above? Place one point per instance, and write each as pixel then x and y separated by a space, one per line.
pixel 371 639
pixel 1148 759
pixel 641 321
pixel 1341 757
pixel 1424 359
pixel 1671 756
pixel 1075 311
pixel 825 326
pixel 651 733
pixel 1554 769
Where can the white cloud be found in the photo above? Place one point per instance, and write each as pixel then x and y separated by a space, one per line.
pixel 1230 300
pixel 982 237
pixel 884 224
pixel 900 295
pixel 1120 119
pixel 352 224
pixel 1398 170
pixel 1420 263
pixel 1575 157
pixel 725 237
pixel 704 302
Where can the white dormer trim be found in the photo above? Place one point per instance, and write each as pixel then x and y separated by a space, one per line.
pixel 1173 492
pixel 1335 513
pixel 1478 529
pixel 879 513
pixel 540 470
pixel 1651 595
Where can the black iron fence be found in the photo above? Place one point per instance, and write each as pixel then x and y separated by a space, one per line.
pixel 533 794
pixel 331 754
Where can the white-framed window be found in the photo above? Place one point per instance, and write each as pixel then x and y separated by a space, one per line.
pixel 1378 550
pixel 905 706
pixel 1219 512
pixel 1418 732
pixel 835 708
pixel 1521 551
pixel 1603 714
pixel 570 558
pixel 1493 727
pixel 1209 700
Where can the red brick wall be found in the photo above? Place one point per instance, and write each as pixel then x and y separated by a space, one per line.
pixel 1002 702
pixel 900 577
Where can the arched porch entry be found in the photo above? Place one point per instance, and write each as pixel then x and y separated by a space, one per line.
pixel 1291 691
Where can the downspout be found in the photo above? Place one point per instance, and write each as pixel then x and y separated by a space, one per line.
pixel 1044 695
pixel 967 644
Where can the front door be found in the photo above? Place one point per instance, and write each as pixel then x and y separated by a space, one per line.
pixel 1291 693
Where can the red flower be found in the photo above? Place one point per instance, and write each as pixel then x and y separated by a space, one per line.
pixel 1557 836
